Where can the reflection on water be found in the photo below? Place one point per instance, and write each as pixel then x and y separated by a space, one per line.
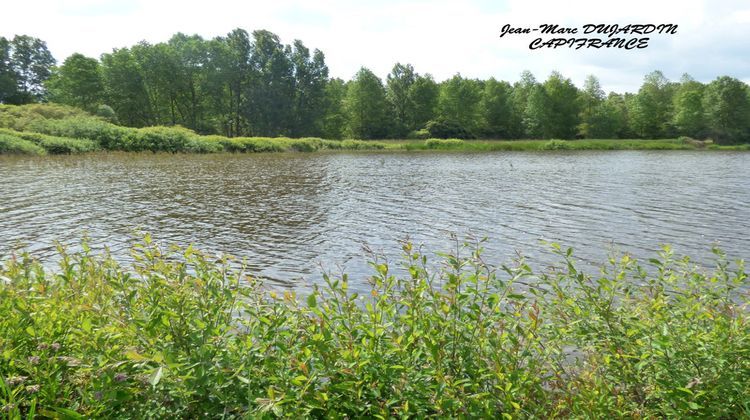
pixel 286 213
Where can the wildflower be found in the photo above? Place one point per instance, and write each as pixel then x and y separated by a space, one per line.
pixel 33 389
pixel 42 346
pixel 70 361
pixel 55 346
pixel 15 380
pixel 7 408
pixel 121 377
pixel 34 360
pixel 693 382
pixel 98 395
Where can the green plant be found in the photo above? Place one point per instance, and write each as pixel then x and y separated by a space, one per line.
pixel 185 334
pixel 13 144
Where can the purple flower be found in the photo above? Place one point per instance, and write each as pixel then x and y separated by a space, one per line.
pixel 55 346
pixel 121 377
pixel 34 360
pixel 33 389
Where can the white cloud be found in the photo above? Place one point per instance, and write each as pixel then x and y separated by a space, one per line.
pixel 440 37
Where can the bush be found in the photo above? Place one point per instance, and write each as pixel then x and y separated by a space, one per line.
pixel 361 145
pixel 106 113
pixel 250 144
pixel 168 139
pixel 444 144
pixel 556 145
pixel 183 334
pixel 15 145
pixel 56 145
pixel 20 117
pixel 422 134
pixel 442 128
pixel 108 136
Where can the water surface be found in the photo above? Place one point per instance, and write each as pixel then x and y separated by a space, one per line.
pixel 288 213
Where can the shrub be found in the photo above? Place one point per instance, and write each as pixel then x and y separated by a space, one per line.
pixel 444 144
pixel 56 145
pixel 15 145
pixel 108 136
pixel 184 334
pixel 361 145
pixel 167 139
pixel 443 128
pixel 106 113
pixel 422 134
pixel 556 145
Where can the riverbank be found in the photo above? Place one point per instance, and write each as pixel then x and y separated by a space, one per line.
pixel 174 140
pixel 182 334
pixel 53 129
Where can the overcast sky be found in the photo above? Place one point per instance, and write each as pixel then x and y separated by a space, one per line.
pixel 436 36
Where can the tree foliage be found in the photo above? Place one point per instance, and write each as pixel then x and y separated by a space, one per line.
pixel 78 82
pixel 367 107
pixel 253 84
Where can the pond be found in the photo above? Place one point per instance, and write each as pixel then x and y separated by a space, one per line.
pixel 292 215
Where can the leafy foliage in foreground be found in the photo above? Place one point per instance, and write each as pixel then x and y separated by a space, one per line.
pixel 182 334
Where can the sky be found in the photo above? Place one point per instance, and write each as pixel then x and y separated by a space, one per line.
pixel 436 36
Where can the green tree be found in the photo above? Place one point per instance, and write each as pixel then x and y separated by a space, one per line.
pixel 78 82
pixel 609 119
pixel 310 79
pixel 459 102
pixel 522 89
pixel 727 110
pixel 334 117
pixel 688 108
pixel 271 90
pixel 228 73
pixel 398 91
pixel 367 106
pixel 190 57
pixel 651 109
pixel 563 107
pixel 32 63
pixel 424 94
pixel 536 114
pixel 125 88
pixel 8 77
pixel 497 109
pixel 592 99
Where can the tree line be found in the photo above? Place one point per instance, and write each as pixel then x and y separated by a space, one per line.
pixel 251 84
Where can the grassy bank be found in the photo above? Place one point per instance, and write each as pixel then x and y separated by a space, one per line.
pixel 181 334
pixel 54 129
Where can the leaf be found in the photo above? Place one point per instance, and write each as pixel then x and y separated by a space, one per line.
pixel 134 355
pixel 685 390
pixel 156 376
pixel 62 412
pixel 311 301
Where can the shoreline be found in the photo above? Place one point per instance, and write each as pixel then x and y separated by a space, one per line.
pixel 49 145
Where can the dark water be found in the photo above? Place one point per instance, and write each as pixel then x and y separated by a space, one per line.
pixel 286 213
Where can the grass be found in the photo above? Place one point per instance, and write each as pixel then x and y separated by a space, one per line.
pixel 58 129
pixel 182 334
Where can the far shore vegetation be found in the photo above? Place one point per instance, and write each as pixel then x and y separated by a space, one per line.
pixel 250 85
pixel 41 129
